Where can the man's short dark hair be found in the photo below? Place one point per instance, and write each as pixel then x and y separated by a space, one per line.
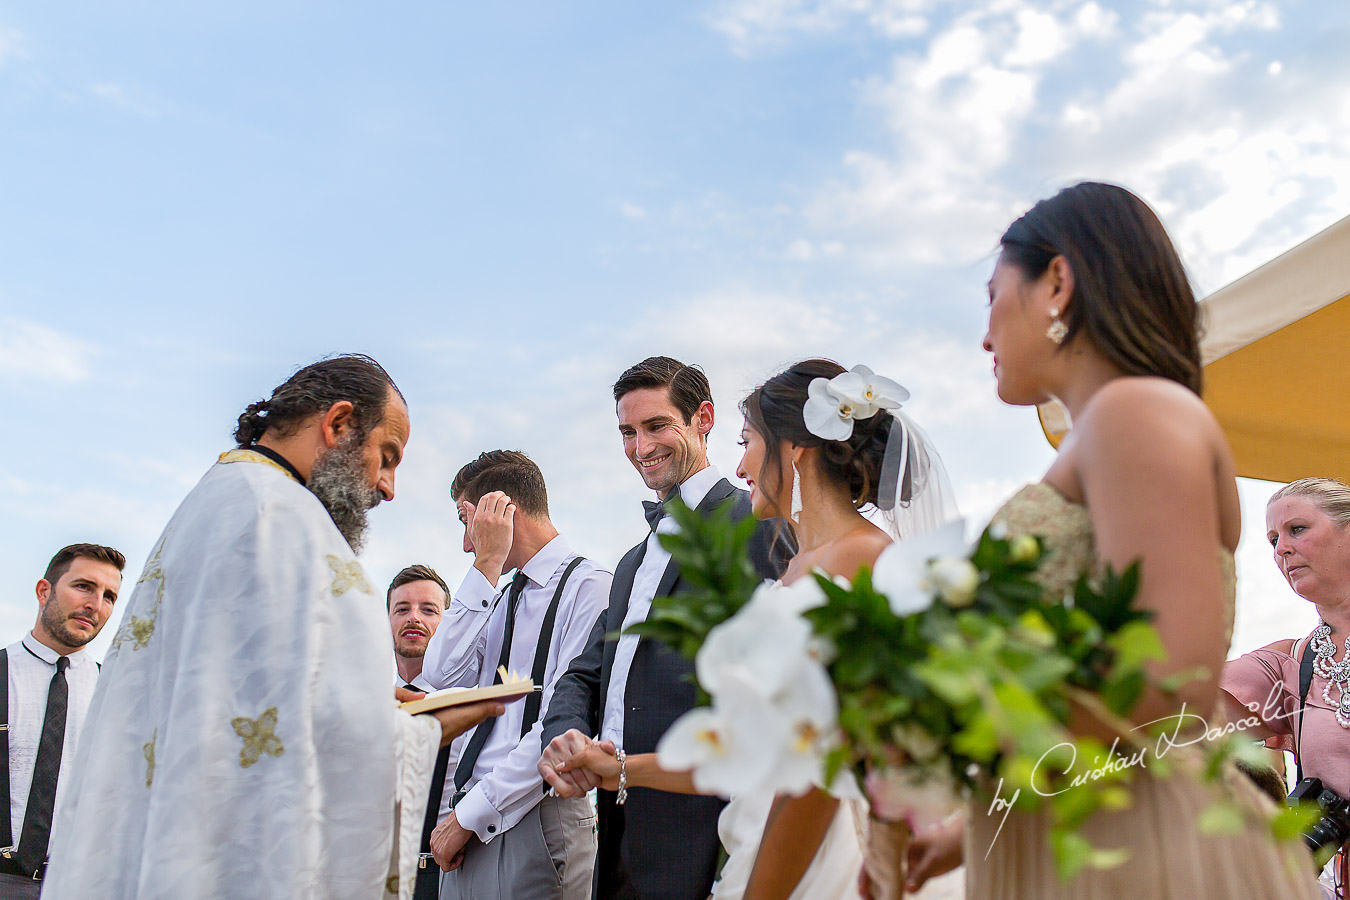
pixel 60 563
pixel 412 574
pixel 314 389
pixel 687 386
pixel 509 471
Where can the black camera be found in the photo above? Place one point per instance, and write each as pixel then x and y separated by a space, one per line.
pixel 1333 828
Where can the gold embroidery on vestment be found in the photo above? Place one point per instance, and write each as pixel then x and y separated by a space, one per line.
pixel 347 575
pixel 150 758
pixel 253 456
pixel 139 629
pixel 391 885
pixel 258 736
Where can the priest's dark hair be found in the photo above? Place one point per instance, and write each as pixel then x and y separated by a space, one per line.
pixel 687 385
pixel 413 574
pixel 1131 298
pixel 60 563
pixel 509 471
pixel 350 376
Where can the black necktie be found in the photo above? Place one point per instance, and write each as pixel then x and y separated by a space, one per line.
pixel 464 771
pixel 37 816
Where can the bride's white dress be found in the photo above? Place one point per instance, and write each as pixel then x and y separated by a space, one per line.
pixel 833 872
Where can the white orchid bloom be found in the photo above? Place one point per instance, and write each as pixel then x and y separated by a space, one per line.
pixel 810 708
pixel 762 645
pixel 955 578
pixel 902 570
pixel 827 413
pixel 725 747
pixel 875 391
pixel 789 599
pixel 833 404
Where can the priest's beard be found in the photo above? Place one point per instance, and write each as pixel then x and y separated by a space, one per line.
pixel 338 480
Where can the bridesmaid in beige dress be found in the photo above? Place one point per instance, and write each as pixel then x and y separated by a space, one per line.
pixel 1090 305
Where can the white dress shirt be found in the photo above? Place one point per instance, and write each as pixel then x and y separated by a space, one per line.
pixel 506 783
pixel 31 667
pixel 645 582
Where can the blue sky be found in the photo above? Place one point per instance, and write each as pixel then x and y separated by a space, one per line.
pixel 507 204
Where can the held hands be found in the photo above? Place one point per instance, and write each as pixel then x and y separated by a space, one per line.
pixel 490 526
pixel 569 781
pixel 601 760
pixel 448 843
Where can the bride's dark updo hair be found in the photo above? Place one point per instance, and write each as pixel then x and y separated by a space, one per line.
pixel 774 410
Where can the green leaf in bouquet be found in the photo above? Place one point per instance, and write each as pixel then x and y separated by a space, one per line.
pixel 1179 679
pixel 1136 643
pixel 1220 817
pixel 1122 693
pixel 1073 853
pixel 978 739
pixel 1111 602
pixel 951 679
pixel 1291 822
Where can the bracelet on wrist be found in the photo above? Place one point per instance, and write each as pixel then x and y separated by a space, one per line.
pixel 622 797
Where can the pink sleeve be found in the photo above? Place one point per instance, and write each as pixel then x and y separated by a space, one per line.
pixel 1266 682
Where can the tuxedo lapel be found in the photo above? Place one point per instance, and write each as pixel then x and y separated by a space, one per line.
pixel 711 500
pixel 619 594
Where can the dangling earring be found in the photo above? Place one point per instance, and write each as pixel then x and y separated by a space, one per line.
pixel 1057 331
pixel 796 513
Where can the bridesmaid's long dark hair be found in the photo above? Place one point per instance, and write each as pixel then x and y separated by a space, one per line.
pixel 1131 298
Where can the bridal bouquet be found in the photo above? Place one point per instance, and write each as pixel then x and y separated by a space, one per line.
pixel 948 670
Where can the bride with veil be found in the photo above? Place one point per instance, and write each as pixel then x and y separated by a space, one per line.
pixel 820 460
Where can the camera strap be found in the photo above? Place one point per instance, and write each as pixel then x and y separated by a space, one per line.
pixel 1305 674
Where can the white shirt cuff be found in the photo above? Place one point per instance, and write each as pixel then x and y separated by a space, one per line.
pixel 476 814
pixel 475 592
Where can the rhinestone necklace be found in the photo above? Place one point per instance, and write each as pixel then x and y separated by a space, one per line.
pixel 1337 673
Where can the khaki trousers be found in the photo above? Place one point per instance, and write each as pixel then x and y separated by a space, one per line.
pixel 548 855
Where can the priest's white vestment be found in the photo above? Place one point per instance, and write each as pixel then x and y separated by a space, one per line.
pixel 243 741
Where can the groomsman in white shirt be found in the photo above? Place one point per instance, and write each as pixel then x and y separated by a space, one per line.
pixel 504 839
pixel 48 680
pixel 416 601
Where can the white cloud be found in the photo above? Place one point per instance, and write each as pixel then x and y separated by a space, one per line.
pixel 751 25
pixel 32 351
pixel 118 95
pixel 13 45
pixel 1010 100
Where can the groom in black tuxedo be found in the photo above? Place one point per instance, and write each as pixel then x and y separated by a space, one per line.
pixel 658 846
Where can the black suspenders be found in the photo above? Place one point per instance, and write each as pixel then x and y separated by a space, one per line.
pixel 7 846
pixel 535 700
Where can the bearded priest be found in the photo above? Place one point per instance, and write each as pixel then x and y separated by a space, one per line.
pixel 242 742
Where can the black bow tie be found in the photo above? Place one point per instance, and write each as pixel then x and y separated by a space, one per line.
pixel 654 511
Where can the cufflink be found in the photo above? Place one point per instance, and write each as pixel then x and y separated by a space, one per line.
pixel 492 829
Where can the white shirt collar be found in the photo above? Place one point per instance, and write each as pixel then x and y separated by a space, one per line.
pixel 47 654
pixel 546 560
pixel 696 486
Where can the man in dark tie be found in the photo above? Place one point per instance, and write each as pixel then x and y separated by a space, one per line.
pixel 652 845
pixel 416 602
pixel 47 681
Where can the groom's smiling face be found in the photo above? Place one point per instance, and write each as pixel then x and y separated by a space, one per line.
pixel 661 445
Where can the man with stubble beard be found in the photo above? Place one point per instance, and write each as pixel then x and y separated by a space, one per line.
pixel 46 682
pixel 243 742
